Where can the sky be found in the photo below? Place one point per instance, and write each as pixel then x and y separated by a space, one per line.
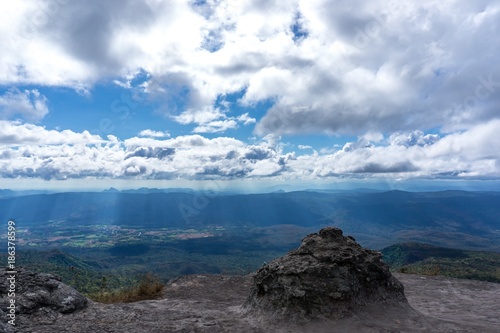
pixel 132 93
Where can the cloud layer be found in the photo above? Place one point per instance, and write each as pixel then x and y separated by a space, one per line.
pixel 326 65
pixel 33 152
pixel 417 82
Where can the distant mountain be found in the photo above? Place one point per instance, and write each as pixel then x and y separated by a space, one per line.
pixel 147 190
pixel 449 218
pixel 111 190
pixel 9 193
pixel 417 258
pixel 6 193
pixel 355 190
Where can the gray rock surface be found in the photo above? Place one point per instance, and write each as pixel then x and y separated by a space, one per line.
pixel 328 276
pixel 38 297
pixel 213 303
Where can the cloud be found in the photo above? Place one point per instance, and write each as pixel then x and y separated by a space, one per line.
pixel 17 134
pixel 200 117
pixel 154 134
pixel 458 155
pixel 148 152
pixel 210 120
pixel 28 104
pixel 410 73
pixel 413 138
pixel 417 82
pixel 324 65
pixel 216 126
pixel 246 119
pixel 37 153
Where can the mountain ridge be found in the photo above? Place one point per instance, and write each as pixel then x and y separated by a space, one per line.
pixel 451 218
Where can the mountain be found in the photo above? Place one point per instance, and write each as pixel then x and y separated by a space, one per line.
pixel 9 193
pixel 449 218
pixel 6 193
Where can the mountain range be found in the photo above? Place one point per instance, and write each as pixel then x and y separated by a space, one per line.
pixel 458 219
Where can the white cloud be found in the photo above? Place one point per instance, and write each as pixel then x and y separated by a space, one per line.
pixel 246 119
pixel 31 151
pixel 386 72
pixel 27 104
pixel 265 168
pixel 210 120
pixel 203 116
pixel 459 155
pixel 216 126
pixel 154 134
pixel 17 134
pixel 413 138
pixel 402 65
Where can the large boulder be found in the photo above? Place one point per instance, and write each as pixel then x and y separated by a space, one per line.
pixel 328 276
pixel 39 297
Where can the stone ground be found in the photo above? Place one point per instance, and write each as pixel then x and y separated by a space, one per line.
pixel 212 303
pixel 464 302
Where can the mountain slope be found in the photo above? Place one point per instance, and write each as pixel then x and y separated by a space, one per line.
pixel 415 258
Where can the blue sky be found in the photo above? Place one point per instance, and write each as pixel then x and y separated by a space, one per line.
pixel 251 94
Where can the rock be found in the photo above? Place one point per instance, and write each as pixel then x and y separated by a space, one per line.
pixel 39 297
pixel 328 276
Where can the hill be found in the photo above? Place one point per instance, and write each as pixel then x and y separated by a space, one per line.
pixel 416 258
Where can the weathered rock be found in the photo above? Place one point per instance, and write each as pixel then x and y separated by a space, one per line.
pixel 328 276
pixel 39 296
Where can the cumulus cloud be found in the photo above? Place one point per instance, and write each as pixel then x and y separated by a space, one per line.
pixel 154 134
pixel 148 152
pixel 216 126
pixel 17 134
pixel 325 66
pixel 413 138
pixel 246 119
pixel 470 154
pixel 210 120
pixel 28 104
pixel 417 82
pixel 466 154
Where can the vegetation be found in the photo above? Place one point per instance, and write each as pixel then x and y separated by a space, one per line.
pixel 83 275
pixel 149 287
pixel 106 272
pixel 416 258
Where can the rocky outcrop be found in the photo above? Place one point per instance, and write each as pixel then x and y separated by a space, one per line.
pixel 38 297
pixel 328 276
